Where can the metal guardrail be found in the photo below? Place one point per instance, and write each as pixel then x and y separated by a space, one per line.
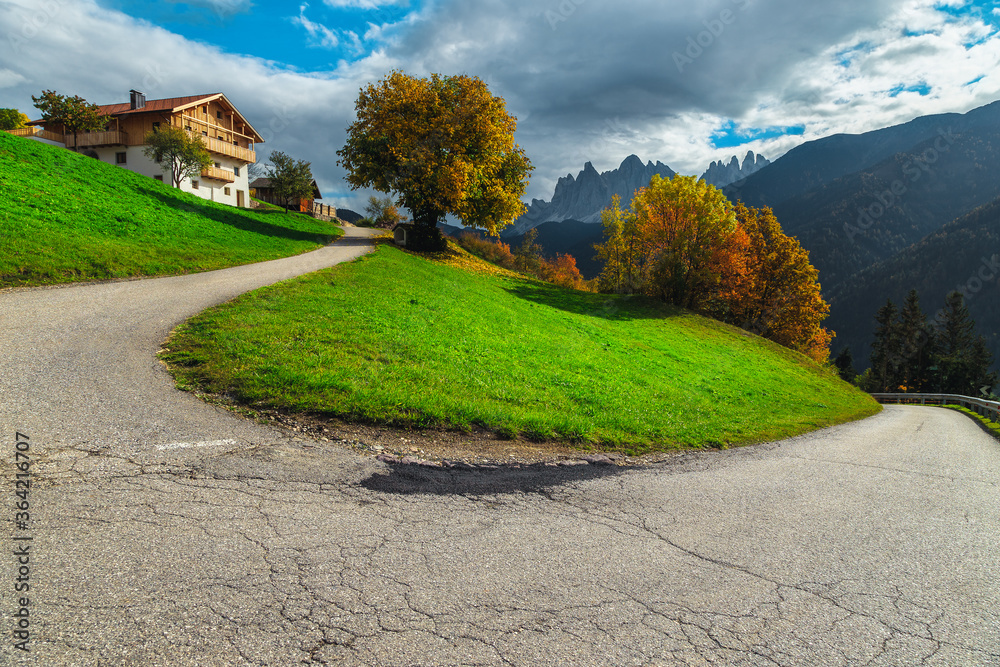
pixel 982 407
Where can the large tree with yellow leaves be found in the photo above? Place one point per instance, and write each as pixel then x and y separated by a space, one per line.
pixel 442 145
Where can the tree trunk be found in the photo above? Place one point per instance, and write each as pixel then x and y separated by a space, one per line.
pixel 426 235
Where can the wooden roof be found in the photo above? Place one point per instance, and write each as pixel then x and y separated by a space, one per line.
pixel 173 105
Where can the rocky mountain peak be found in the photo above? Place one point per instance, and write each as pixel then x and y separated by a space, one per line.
pixel 721 174
pixel 584 197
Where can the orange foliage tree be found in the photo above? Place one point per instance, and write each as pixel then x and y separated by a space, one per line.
pixel 443 145
pixel 562 271
pixel 781 300
pixel 698 251
pixel 680 242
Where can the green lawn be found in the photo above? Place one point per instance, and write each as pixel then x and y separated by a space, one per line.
pixel 398 339
pixel 67 217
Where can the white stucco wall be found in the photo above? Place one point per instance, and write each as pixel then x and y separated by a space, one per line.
pixel 208 188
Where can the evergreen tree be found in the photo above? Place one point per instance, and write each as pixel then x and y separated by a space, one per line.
pixel 886 350
pixel 844 363
pixel 916 349
pixel 963 359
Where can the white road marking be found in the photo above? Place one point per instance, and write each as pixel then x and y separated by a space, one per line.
pixel 204 443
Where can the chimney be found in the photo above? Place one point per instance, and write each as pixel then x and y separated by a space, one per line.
pixel 138 99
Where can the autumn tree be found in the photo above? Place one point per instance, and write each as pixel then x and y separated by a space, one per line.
pixel 444 145
pixel 683 242
pixel 291 180
pixel 528 255
pixel 562 270
pixel 74 114
pixel 686 229
pixel 382 212
pixel 177 152
pixel 778 296
pixel 620 252
pixel 12 119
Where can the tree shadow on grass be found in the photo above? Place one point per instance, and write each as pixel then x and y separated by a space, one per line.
pixel 409 479
pixel 621 307
pixel 237 220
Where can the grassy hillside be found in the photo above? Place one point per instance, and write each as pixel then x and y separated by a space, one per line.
pixel 66 217
pixel 398 339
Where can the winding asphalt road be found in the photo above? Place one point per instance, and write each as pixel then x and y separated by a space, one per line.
pixel 167 532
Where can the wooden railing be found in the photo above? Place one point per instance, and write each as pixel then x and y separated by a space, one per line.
pixel 225 148
pixel 218 174
pixel 38 133
pixel 51 136
pixel 112 138
pixel 980 406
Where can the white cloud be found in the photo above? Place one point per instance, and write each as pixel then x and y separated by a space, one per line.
pixel 319 35
pixel 10 78
pixel 366 4
pixel 221 8
pixel 600 86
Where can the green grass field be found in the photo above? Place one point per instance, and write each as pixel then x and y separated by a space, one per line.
pixel 66 217
pixel 401 340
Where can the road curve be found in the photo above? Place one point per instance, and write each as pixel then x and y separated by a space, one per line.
pixel 166 532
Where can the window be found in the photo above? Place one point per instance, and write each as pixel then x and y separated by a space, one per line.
pixel 204 133
pixel 221 138
pixel 235 143
pixel 194 185
pixel 156 127
pixel 218 166
pixel 226 190
pixel 157 159
pixel 158 177
pixel 120 158
pixel 236 171
pixel 218 114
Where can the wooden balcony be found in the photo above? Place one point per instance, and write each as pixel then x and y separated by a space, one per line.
pixel 218 174
pixel 225 148
pixel 37 132
pixel 82 139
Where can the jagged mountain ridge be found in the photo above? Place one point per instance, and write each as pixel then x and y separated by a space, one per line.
pixel 721 174
pixel 583 197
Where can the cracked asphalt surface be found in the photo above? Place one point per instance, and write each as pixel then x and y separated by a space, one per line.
pixel 169 532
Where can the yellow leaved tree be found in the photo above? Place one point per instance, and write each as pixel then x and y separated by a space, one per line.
pixel 443 145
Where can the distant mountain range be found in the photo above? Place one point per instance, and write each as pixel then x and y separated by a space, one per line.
pixel 584 197
pixel 720 174
pixel 887 211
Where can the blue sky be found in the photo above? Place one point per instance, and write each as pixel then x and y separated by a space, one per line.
pixel 682 82
pixel 304 36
